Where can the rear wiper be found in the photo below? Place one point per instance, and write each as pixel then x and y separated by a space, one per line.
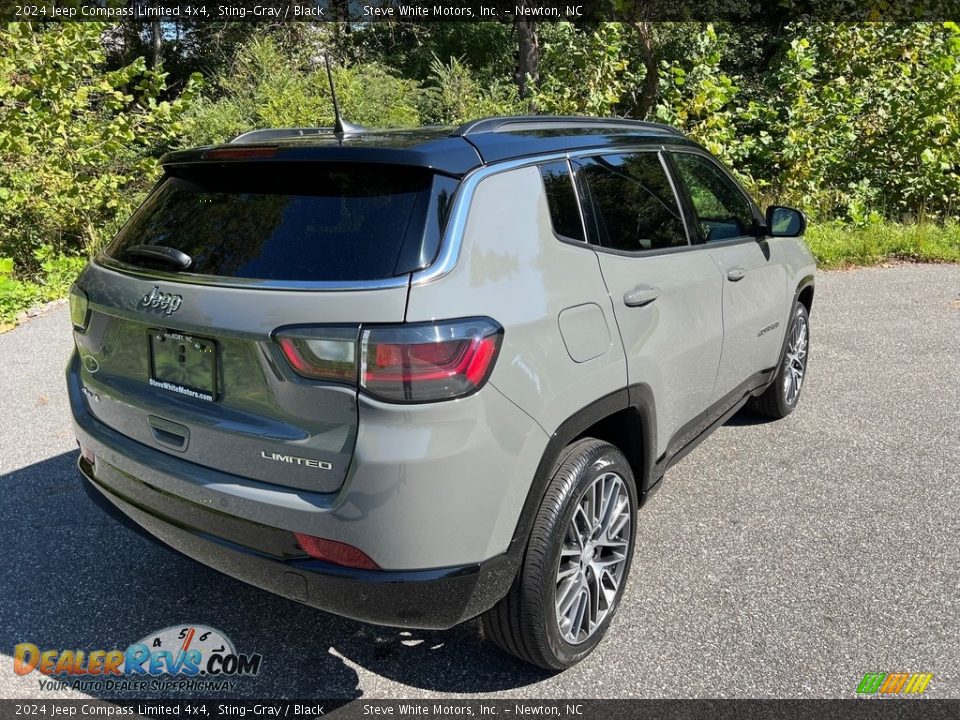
pixel 171 256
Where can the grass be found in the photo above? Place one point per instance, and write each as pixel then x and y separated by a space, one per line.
pixel 837 246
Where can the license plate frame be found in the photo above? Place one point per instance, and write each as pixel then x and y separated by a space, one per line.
pixel 184 364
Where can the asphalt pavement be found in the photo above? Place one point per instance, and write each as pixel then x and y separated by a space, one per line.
pixel 781 559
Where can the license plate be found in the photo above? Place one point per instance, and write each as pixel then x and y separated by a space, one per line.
pixel 183 364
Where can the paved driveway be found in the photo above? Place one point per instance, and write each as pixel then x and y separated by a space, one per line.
pixel 780 559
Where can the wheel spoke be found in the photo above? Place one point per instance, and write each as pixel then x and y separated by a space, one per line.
pixel 580 525
pixel 609 493
pixel 571 570
pixel 610 587
pixel 583 600
pixel 614 534
pixel 610 560
pixel 614 545
pixel 567 594
pixel 594 591
pixel 617 520
pixel 595 500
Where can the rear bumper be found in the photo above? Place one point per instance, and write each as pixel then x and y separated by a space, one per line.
pixel 429 599
pixel 244 529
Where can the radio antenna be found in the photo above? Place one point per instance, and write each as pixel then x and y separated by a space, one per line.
pixel 340 126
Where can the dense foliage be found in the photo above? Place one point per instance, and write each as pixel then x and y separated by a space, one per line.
pixel 78 145
pixel 858 124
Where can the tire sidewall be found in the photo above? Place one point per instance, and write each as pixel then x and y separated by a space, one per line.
pixel 606 459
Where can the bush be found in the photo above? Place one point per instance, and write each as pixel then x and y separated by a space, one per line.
pixel 453 95
pixel 697 96
pixel 78 142
pixel 57 273
pixel 15 295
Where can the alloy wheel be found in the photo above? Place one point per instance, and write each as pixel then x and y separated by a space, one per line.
pixel 795 361
pixel 593 558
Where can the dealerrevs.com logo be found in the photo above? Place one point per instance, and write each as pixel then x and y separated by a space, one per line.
pixel 181 657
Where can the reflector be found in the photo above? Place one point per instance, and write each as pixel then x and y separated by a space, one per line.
pixel 335 552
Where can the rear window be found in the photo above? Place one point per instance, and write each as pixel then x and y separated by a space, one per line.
pixel 280 221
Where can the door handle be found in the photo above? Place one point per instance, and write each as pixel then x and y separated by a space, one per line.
pixel 641 295
pixel 736 274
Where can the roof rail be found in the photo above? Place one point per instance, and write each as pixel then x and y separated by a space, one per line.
pixel 558 122
pixel 268 134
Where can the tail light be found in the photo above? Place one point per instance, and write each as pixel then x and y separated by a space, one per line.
pixel 416 362
pixel 240 153
pixel 79 308
pixel 321 353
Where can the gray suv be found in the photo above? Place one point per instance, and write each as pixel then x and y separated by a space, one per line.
pixel 416 377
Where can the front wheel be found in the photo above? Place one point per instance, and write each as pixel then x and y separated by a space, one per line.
pixel 577 561
pixel 783 394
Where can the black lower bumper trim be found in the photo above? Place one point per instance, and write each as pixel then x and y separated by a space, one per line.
pixel 427 599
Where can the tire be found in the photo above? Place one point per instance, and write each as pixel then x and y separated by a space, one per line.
pixel 527 622
pixel 782 395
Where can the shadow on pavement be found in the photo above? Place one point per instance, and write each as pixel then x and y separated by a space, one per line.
pixel 82 581
pixel 745 418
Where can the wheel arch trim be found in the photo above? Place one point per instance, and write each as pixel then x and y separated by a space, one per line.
pixel 637 398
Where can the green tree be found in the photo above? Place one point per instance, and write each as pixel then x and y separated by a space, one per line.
pixel 77 142
pixel 868 119
pixel 583 72
pixel 697 96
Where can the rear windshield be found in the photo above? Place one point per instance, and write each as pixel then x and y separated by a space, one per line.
pixel 280 221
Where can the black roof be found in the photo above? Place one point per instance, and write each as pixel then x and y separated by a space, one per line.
pixel 453 151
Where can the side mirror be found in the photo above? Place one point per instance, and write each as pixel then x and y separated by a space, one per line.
pixel 783 221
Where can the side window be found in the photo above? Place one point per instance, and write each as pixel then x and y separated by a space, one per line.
pixel 722 210
pixel 633 207
pixel 562 200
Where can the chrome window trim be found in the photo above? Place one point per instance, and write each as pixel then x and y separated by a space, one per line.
pixel 250 283
pixel 691 246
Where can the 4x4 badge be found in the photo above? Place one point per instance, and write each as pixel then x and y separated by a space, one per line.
pixel 167 302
